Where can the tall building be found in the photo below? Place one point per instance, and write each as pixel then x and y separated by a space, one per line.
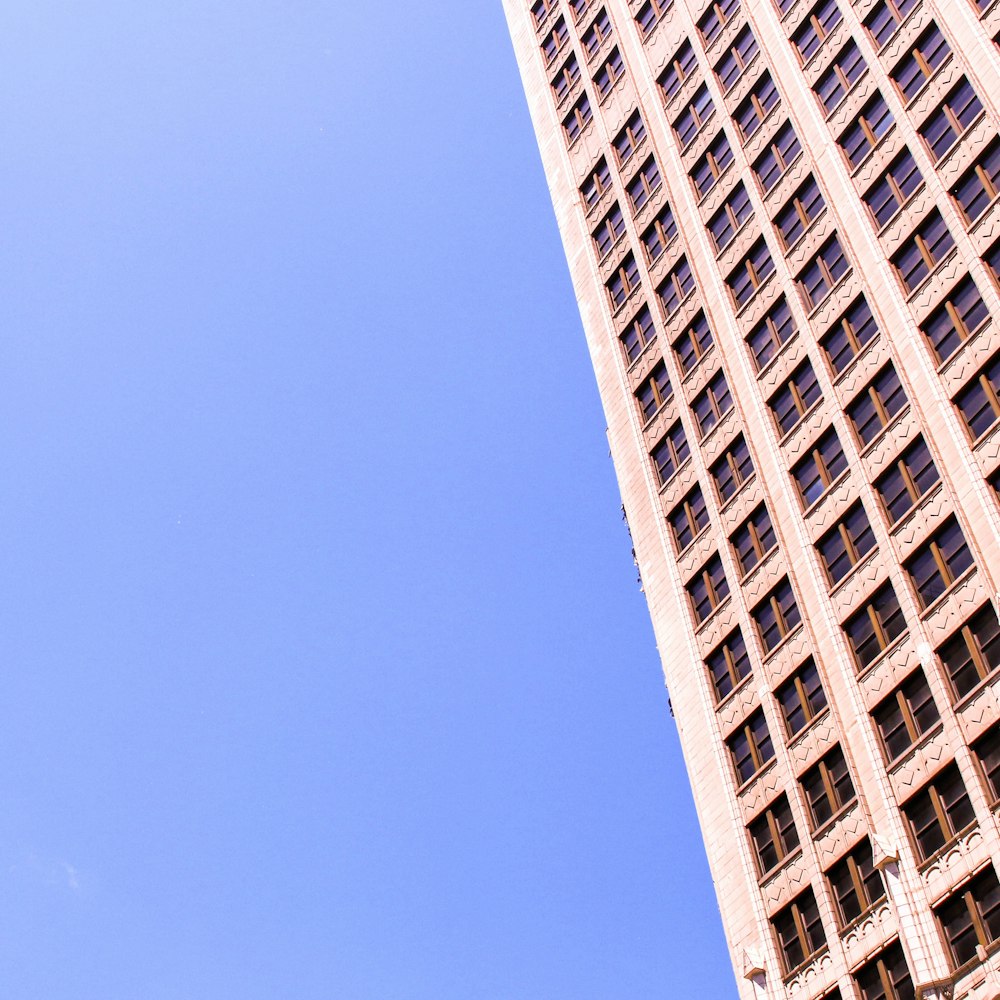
pixel 782 224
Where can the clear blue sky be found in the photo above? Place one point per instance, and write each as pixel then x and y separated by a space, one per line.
pixel 324 669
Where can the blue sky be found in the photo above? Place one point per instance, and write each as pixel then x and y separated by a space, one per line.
pixel 325 673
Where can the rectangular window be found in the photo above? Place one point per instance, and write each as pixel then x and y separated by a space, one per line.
pixel 596 185
pixel 732 470
pixel 903 717
pixel 707 589
pixel 919 64
pixel 623 282
pixel 630 138
pixel 860 138
pixel 595 36
pixel 791 402
pixel 753 540
pixel 845 71
pixel 992 260
pixel 728 664
pixel 979 185
pixel 773 835
pixel 566 80
pixel 554 41
pixel 811 34
pixel 845 339
pixel 579 117
pixel 754 108
pixel 939 562
pixel 670 453
pixel 659 235
pixel 801 698
pixel 579 8
pixel 958 111
pixel 649 15
pixel 676 286
pixel 827 787
pixel 677 72
pixel 751 273
pixel 876 405
pixel 938 812
pixel 767 337
pixel 979 402
pixel 771 165
pixel 856 883
pixel 821 273
pixel 846 543
pixel 973 652
pixel 956 319
pixel 692 345
pixel 642 187
pixel 987 751
pixel 776 616
pixel 654 392
pixel 712 404
pixel 751 747
pixel 688 518
pixel 799 213
pixel 638 334
pixel 540 11
pixel 886 17
pixel 927 247
pixel 718 15
pixel 711 166
pixel 875 626
pixel 799 931
pixel 970 917
pixel 886 976
pixel 815 473
pixel 610 230
pixel 691 120
pixel 733 64
pixel 736 209
pixel 909 478
pixel 888 195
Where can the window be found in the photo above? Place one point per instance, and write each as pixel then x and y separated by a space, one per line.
pixel 611 71
pixel 978 401
pixel 712 403
pixel 751 273
pixel 958 111
pixel 753 539
pixel 979 185
pixel 799 213
pixel 771 332
pixel 871 411
pixel 688 518
pixel 888 195
pixel 938 812
pixel 728 664
pixel 909 478
pixel 961 314
pixel 540 11
pixel 659 235
pixel 903 717
pixel 676 287
pixel 987 751
pixel 654 391
pixel 815 473
pixel 777 158
pixel 860 138
pixel 566 80
pixel 799 931
pixel 939 562
pixel 823 18
pixel 774 835
pixel 776 616
pixel 992 260
pixel 578 119
pixel 970 917
pixel 554 41
pixel 927 248
pixel 595 36
pixel 649 15
pixel 801 698
pixel 710 167
pixel 677 72
pixel 918 66
pixel 708 589
pixel 692 345
pixel 832 87
pixel 629 138
pixel 638 335
pixel 827 787
pixel 822 272
pixel 791 402
pixel 856 883
pixel 846 544
pixel 694 116
pixel 732 470
pixel 732 65
pixel 734 212
pixel 875 626
pixel 596 185
pixel 849 335
pixel 886 976
pixel 671 452
pixel 751 746
pixel 643 185
pixel 579 8
pixel 623 282
pixel 610 230
pixel 886 17
pixel 973 652
pixel 755 107
pixel 718 15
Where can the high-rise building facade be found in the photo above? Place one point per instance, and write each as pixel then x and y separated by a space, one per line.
pixel 782 223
